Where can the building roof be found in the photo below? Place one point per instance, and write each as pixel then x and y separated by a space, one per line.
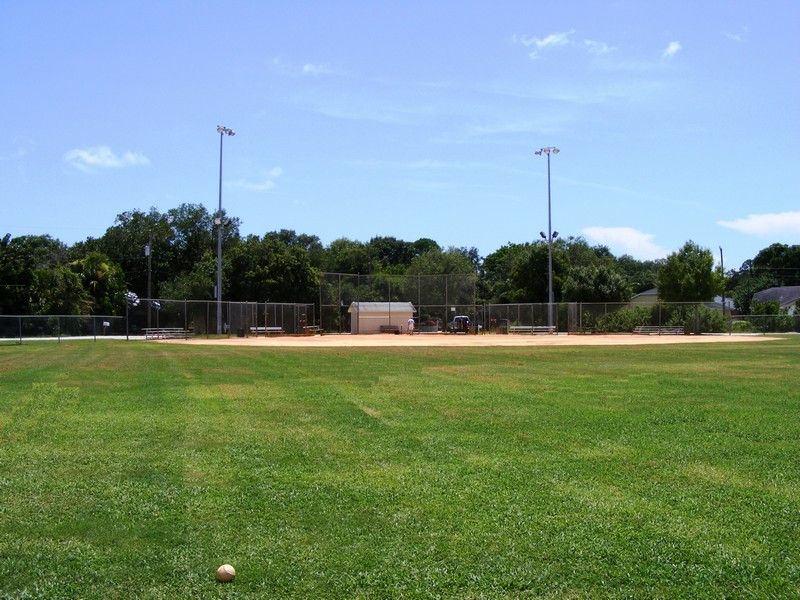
pixel 785 296
pixel 381 307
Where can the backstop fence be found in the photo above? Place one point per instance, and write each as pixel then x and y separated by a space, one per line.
pixel 437 298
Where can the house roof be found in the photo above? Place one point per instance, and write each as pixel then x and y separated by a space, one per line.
pixel 381 307
pixel 785 296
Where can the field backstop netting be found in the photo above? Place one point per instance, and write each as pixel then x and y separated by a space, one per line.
pixel 436 298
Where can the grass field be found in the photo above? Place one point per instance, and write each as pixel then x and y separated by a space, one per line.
pixel 133 470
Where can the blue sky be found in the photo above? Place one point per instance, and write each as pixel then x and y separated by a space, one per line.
pixel 676 120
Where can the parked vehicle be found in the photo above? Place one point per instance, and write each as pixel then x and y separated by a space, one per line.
pixel 459 324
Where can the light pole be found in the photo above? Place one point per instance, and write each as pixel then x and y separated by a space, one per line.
pixel 148 253
pixel 722 270
pixel 551 235
pixel 218 222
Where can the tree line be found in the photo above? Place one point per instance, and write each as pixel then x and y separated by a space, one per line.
pixel 172 255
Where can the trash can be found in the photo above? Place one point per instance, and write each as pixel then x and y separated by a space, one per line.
pixel 240 332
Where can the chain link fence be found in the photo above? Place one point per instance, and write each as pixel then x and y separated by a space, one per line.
pixel 437 298
pixel 199 317
pixel 15 328
pixel 191 317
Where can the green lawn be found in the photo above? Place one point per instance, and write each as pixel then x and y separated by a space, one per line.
pixel 133 470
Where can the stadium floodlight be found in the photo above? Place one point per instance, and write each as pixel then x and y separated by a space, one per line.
pixel 223 131
pixel 550 237
pixel 131 300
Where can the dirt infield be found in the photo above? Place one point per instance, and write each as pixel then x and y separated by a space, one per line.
pixel 457 340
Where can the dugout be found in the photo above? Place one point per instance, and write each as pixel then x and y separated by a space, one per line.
pixel 369 317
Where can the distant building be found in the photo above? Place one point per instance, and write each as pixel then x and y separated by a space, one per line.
pixel 369 317
pixel 786 297
pixel 646 298
pixel 650 297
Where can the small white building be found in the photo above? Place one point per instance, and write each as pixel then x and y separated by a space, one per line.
pixel 369 317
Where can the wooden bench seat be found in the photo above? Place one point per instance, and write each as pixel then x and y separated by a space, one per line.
pixel 166 333
pixel 277 330
pixel 531 329
pixel 658 330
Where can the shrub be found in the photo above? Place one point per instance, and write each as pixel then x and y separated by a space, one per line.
pixel 624 320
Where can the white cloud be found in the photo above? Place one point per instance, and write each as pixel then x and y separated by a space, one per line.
pixel 310 69
pixel 767 224
pixel 597 47
pixel 672 49
pixel 550 41
pixel 738 37
pixel 250 186
pixel 625 240
pixel 265 184
pixel 102 157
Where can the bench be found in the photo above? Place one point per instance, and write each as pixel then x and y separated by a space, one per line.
pixel 166 333
pixel 658 330
pixel 267 330
pixel 532 329
pixel 390 329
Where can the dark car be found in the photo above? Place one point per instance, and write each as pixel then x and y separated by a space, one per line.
pixel 459 324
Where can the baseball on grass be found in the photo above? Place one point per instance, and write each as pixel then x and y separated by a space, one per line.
pixel 226 573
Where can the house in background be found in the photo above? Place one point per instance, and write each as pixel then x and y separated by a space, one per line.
pixel 369 317
pixel 787 297
pixel 650 297
pixel 646 298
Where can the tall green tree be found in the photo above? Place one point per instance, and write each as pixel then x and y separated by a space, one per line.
pixel 641 275
pixel 392 255
pixel 595 283
pixel 780 261
pixel 57 290
pixel 24 262
pixel 497 271
pixel 344 255
pixel 689 276
pixel 267 270
pixel 529 277
pixel 103 280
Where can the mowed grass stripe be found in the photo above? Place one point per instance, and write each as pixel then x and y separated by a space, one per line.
pixel 132 469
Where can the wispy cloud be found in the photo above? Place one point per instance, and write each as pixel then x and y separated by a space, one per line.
pixel 550 41
pixel 263 184
pixel 102 157
pixel 431 165
pixel 596 47
pixel 309 69
pixel 738 37
pixel 23 149
pixel 626 240
pixel 767 224
pixel 672 49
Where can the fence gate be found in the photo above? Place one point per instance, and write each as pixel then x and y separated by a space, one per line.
pixel 573 317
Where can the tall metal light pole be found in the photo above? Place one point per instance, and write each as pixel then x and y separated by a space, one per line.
pixel 722 270
pixel 551 235
pixel 218 222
